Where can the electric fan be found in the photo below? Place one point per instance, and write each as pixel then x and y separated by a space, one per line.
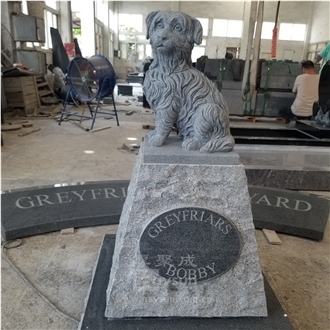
pixel 89 79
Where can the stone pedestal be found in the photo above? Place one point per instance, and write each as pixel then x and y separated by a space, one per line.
pixel 185 244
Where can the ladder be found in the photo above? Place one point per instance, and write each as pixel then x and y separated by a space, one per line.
pixel 45 92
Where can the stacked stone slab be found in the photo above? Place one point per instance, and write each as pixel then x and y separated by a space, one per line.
pixel 180 201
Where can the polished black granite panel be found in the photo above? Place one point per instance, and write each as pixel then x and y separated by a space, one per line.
pixel 290 212
pixel 34 211
pixel 286 167
pixel 303 179
pixel 190 244
pixel 93 317
pixel 27 212
pixel 293 158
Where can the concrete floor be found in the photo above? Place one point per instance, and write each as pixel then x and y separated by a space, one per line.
pixel 61 266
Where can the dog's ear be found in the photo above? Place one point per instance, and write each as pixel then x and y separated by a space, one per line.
pixel 198 31
pixel 149 19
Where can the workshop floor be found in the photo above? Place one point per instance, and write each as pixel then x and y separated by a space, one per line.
pixel 61 266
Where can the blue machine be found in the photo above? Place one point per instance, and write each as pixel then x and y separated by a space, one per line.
pixel 90 79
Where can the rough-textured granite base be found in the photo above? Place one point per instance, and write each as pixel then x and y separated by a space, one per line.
pixel 135 290
pixel 93 317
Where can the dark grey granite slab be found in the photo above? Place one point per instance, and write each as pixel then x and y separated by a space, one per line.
pixel 172 153
pixel 232 70
pixel 270 103
pixel 289 212
pixel 19 222
pixel 212 68
pixel 295 179
pixel 284 158
pixel 277 81
pixel 231 85
pixel 94 319
pixel 233 98
pixel 281 68
pixel 286 167
pixel 42 210
pixel 280 74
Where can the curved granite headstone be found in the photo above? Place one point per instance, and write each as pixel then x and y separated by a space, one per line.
pixel 180 94
pixel 39 210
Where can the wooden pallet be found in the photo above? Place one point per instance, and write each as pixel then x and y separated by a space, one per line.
pixel 22 92
pixel 254 119
pixel 280 119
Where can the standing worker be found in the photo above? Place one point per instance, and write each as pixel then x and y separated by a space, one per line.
pixel 322 109
pixel 323 54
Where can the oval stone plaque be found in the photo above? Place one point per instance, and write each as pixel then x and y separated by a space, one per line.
pixel 190 244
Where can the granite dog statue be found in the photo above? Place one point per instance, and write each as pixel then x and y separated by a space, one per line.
pixel 180 94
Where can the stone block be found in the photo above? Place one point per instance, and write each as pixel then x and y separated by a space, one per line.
pixel 173 153
pixel 163 265
pixel 94 318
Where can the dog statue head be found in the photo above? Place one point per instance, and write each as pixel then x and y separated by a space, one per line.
pixel 172 36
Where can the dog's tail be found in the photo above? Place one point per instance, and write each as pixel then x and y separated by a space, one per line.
pixel 212 129
pixel 224 144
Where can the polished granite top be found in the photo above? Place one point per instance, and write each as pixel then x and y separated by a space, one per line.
pixel 294 158
pixel 284 157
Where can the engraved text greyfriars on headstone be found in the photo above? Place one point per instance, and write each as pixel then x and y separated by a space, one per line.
pixel 190 244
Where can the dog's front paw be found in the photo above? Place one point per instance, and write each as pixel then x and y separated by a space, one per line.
pixel 155 140
pixel 190 144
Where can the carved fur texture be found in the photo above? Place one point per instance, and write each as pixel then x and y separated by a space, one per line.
pixel 180 94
